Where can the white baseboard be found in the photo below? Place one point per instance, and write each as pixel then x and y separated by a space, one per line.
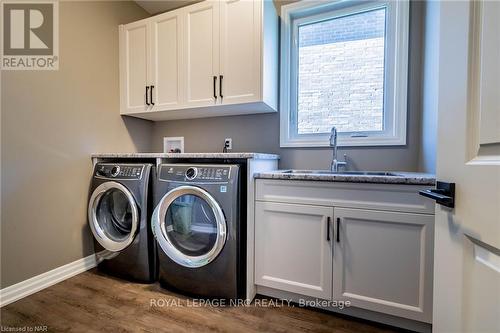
pixel 47 279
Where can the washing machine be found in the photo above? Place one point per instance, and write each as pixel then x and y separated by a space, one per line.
pixel 199 232
pixel 119 215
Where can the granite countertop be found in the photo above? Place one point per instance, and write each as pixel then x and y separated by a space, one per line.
pixel 393 177
pixel 261 156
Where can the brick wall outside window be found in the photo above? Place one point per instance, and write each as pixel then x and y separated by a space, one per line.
pixel 341 74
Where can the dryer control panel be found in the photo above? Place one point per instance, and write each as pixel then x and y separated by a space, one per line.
pixel 119 171
pixel 195 173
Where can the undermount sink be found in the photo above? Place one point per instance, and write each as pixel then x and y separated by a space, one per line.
pixel 354 173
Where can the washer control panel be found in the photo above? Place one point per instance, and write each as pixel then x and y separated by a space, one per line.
pixel 195 173
pixel 119 171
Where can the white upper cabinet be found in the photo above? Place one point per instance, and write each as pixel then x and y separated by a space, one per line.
pixel 212 58
pixel 134 64
pixel 240 45
pixel 166 61
pixel 202 53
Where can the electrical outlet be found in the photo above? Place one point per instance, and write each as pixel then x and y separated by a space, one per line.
pixel 228 143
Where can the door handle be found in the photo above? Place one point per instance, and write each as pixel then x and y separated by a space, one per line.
pixel 220 85
pixel 328 228
pixel 147 88
pixel 444 194
pixel 338 229
pixel 151 95
pixel 215 83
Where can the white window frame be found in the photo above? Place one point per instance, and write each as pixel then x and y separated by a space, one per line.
pixel 395 71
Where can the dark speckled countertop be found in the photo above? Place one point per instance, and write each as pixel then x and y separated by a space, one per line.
pixel 392 177
pixel 260 156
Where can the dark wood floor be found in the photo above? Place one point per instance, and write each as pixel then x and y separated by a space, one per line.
pixel 93 302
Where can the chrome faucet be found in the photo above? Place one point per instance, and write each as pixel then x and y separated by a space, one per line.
pixel 334 167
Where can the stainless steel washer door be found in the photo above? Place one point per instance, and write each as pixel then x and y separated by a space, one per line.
pixel 189 226
pixel 113 216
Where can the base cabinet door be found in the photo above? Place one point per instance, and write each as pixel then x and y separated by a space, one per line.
pixel 293 248
pixel 384 260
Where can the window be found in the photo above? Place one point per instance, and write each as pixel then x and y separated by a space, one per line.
pixel 344 64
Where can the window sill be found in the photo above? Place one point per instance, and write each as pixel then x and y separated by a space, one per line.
pixel 343 142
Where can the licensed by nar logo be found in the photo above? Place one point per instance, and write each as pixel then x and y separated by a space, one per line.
pixel 30 39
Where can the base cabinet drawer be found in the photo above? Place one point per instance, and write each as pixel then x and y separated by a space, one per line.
pixel 390 197
pixel 293 248
pixel 383 261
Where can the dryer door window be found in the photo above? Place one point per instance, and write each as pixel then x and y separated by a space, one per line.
pixel 190 226
pixel 113 216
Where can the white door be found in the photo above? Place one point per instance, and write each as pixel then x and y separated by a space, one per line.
pixel 202 53
pixel 134 55
pixel 383 261
pixel 293 248
pixel 467 238
pixel 166 61
pixel 240 51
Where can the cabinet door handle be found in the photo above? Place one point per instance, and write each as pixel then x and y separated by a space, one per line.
pixel 215 83
pixel 147 88
pixel 220 85
pixel 338 229
pixel 328 228
pixel 151 95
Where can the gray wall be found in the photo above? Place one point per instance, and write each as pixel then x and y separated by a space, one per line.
pixel 50 124
pixel 430 68
pixel 261 132
pixel 52 121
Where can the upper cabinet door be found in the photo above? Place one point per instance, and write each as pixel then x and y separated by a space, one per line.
pixel 240 51
pixel 134 67
pixel 166 61
pixel 202 53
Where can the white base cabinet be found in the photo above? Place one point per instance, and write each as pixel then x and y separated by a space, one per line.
pixel 293 248
pixel 369 244
pixel 383 261
pixel 212 58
